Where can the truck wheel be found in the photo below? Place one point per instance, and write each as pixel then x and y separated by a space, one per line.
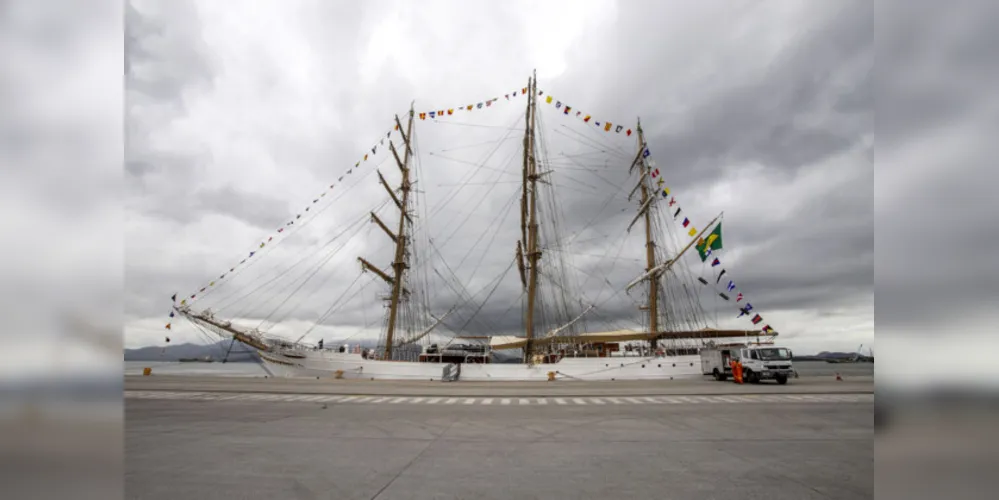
pixel 781 379
pixel 752 377
pixel 716 375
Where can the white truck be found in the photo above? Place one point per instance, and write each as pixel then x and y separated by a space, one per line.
pixel 759 362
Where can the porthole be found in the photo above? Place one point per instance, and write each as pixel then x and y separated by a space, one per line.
pixel 643 366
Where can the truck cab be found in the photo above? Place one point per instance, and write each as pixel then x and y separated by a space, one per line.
pixel 766 363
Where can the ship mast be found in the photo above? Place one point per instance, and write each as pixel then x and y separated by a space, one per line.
pixel 650 246
pixel 399 265
pixel 529 220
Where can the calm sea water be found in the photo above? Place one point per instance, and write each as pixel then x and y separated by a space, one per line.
pixel 805 368
pixel 821 368
pixel 200 369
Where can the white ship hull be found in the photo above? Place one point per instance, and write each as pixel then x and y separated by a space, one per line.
pixel 327 364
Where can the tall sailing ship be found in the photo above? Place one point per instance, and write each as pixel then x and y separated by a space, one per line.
pixel 433 325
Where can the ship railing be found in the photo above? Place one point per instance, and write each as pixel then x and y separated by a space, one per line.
pixel 476 358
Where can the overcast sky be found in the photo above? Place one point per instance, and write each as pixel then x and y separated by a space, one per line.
pixel 236 118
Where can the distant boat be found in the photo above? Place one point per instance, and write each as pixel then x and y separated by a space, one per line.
pixel 205 359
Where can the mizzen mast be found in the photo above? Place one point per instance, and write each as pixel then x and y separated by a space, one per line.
pixel 399 265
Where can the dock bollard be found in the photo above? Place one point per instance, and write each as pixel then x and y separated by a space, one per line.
pixel 147 371
pixel 551 376
pixel 338 374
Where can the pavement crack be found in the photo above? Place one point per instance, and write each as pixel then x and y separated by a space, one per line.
pixel 413 461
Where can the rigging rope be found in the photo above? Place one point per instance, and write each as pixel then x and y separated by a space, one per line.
pixel 328 277
pixel 471 174
pixel 356 223
pixel 498 281
pixel 226 301
pixel 301 223
pixel 332 308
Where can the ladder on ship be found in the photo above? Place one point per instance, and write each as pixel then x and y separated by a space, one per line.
pixel 451 372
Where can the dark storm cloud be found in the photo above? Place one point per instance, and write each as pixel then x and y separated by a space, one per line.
pixel 936 64
pixel 812 102
pixel 801 114
pixel 808 104
pixel 936 201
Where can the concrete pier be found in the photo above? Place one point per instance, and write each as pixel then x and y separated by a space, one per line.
pixel 803 385
pixel 213 438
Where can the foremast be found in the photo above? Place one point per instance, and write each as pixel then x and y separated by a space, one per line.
pixel 400 263
pixel 528 262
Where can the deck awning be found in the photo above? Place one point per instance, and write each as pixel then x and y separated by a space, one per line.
pixel 514 342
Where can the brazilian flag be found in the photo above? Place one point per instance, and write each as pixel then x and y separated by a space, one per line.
pixel 713 242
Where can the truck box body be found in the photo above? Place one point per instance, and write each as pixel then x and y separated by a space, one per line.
pixel 716 359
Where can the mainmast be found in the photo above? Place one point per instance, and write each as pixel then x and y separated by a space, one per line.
pixel 650 246
pixel 529 220
pixel 399 265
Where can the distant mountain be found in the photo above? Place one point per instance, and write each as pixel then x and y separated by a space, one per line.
pixel 176 352
pixel 827 354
